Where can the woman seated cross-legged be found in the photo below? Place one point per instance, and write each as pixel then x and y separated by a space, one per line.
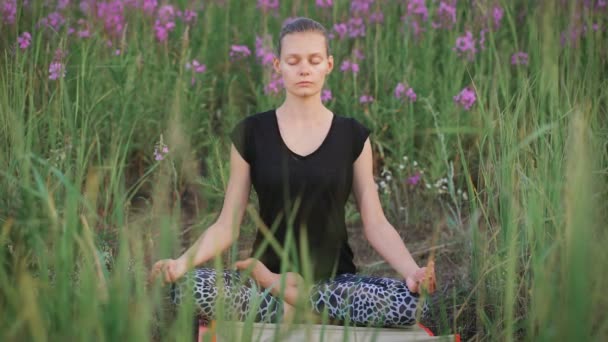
pixel 301 152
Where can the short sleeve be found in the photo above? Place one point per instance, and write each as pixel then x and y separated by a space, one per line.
pixel 360 134
pixel 241 138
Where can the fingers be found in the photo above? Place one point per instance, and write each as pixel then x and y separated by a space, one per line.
pixel 412 285
pixel 168 274
pixel 155 271
pixel 163 269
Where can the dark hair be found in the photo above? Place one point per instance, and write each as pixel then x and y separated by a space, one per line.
pixel 302 24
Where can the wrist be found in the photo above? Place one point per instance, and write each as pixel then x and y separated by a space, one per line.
pixel 183 260
pixel 409 271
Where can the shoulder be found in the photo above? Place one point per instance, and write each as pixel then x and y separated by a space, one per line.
pixel 252 123
pixel 352 124
pixel 254 120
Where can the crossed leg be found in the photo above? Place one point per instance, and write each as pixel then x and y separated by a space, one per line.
pixel 349 297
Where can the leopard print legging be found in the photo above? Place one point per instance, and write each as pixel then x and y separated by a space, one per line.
pixel 360 299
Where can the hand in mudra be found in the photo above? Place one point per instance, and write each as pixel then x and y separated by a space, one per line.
pixel 170 270
pixel 423 278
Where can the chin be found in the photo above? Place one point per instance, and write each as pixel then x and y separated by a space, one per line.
pixel 305 92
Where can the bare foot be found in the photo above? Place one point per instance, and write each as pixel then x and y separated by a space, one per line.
pixel 267 279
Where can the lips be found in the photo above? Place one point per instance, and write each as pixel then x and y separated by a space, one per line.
pixel 304 83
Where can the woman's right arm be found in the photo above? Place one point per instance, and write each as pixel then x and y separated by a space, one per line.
pixel 221 234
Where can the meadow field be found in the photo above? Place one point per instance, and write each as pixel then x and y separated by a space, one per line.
pixel 489 132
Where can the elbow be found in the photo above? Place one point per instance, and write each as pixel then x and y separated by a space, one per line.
pixel 228 231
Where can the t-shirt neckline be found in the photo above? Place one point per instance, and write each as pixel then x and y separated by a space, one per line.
pixel 323 143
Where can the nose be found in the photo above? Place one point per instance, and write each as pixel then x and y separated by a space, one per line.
pixel 305 69
pixel 304 72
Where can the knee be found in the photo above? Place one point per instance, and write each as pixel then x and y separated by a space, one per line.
pixel 294 279
pixel 408 311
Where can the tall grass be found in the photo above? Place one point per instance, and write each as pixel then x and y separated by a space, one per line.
pixel 85 209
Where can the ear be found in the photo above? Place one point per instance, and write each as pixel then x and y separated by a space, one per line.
pixel 330 63
pixel 275 64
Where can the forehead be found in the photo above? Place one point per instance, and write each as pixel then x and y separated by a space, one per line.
pixel 303 43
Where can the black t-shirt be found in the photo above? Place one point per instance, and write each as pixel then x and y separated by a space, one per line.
pixel 320 182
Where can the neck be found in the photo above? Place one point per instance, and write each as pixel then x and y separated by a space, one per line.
pixel 303 109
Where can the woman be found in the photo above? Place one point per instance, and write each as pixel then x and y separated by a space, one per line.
pixel 303 161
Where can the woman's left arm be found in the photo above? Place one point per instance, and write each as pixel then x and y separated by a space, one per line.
pixel 378 231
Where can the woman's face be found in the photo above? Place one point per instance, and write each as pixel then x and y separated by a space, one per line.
pixel 304 63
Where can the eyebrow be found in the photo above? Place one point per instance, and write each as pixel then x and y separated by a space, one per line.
pixel 297 55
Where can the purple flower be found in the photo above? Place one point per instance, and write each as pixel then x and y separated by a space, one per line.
pixel 112 14
pixel 149 6
pixel 358 54
pixel 376 17
pixel 276 84
pixel 356 27
pixel 263 53
pixel 237 51
pixel 161 30
pixel 519 58
pixel 61 4
pixel 418 8
pixel 366 99
pixel 189 16
pixel 324 3
pixel 54 20
pixel 360 6
pixel 56 70
pixel 84 31
pixel 59 55
pixel 497 14
pixel 160 150
pixel 341 29
pixel 166 13
pixel 400 92
pixel 411 94
pixel 446 14
pixel 413 180
pixel 417 13
pixel 8 11
pixel 158 155
pixel 24 40
pixel 465 45
pixel 267 5
pixel 466 98
pixel 196 66
pixel 326 95
pixel 348 65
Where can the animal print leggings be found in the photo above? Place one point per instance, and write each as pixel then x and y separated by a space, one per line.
pixel 360 299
